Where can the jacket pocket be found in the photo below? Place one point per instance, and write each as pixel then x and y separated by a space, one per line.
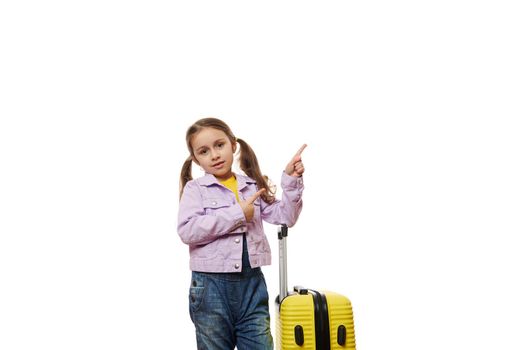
pixel 211 205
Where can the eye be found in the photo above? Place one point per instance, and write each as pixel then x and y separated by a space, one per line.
pixel 203 152
pixel 220 145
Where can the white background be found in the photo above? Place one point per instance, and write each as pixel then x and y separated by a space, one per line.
pixel 415 195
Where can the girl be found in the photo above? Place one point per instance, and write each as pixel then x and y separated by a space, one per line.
pixel 220 218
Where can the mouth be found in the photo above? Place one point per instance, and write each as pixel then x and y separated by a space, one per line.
pixel 218 165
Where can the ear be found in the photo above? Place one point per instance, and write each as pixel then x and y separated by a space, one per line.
pixel 234 147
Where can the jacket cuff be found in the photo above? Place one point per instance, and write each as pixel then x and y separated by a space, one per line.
pixel 291 182
pixel 238 219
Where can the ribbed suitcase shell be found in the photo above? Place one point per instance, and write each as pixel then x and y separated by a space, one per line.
pixel 298 309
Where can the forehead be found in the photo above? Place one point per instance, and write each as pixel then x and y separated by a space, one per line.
pixel 207 137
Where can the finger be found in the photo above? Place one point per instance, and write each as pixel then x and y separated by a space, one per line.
pixel 299 170
pixel 301 149
pixel 255 196
pixel 298 173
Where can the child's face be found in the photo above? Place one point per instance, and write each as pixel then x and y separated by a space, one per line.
pixel 214 152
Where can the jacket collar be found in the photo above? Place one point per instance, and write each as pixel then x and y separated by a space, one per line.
pixel 210 180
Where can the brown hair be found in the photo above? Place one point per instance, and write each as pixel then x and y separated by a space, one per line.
pixel 248 161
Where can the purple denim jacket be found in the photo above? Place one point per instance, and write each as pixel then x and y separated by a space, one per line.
pixel 212 222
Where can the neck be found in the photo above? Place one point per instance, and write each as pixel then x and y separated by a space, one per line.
pixel 224 177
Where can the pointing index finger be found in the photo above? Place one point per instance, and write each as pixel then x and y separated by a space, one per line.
pixel 301 149
pixel 255 196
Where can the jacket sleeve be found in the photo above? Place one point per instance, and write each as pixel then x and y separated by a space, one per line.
pixel 287 210
pixel 195 227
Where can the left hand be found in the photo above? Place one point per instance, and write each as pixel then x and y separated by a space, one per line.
pixel 295 166
pixel 248 205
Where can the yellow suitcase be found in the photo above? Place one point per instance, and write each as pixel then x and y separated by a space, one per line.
pixel 307 319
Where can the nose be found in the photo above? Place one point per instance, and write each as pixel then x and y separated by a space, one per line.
pixel 214 154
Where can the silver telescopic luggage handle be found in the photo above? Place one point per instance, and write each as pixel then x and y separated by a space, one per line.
pixel 282 237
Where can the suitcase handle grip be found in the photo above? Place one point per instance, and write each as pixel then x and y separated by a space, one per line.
pixel 283 231
pixel 301 290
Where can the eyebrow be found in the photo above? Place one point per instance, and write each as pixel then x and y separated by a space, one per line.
pixel 216 141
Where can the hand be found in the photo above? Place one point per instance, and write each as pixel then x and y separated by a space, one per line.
pixel 248 205
pixel 295 166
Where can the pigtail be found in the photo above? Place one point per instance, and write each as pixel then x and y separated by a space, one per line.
pixel 186 175
pixel 248 162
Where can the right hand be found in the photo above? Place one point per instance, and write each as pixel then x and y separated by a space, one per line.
pixel 248 205
pixel 295 167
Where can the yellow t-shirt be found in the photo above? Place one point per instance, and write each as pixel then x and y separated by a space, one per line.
pixel 231 184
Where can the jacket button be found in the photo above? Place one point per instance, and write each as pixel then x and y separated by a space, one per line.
pixel 214 203
pixel 236 266
pixel 237 240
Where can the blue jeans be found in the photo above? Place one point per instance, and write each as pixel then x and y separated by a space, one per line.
pixel 231 309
